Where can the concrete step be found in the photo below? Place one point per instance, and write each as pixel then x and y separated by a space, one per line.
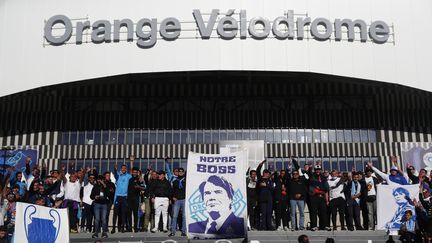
pixel 253 237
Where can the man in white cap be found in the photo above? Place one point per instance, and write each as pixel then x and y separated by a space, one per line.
pixel 393 178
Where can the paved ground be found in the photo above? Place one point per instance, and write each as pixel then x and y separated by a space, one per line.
pixel 253 237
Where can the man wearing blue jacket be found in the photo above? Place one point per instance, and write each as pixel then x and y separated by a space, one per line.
pixel 120 197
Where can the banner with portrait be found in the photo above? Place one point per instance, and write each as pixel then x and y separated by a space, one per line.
pixel 417 154
pixel 37 224
pixel 216 205
pixel 392 203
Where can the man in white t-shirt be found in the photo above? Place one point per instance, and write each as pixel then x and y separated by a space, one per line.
pixel 371 181
pixel 337 201
pixel 71 190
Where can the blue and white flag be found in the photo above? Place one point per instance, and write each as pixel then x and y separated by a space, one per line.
pixel 37 224
pixel 216 204
pixel 392 203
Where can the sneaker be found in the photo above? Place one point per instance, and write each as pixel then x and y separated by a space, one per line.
pixel 328 228
pixel 113 231
pixel 104 235
pixel 314 229
pixel 153 230
pixel 334 228
pixel 171 235
pixel 286 228
pixel 95 235
pixel 74 231
pixel 292 229
pixel 165 231
pixel 279 228
pixel 183 234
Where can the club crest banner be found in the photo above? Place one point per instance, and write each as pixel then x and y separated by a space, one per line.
pixel 216 196
pixel 37 224
pixel 393 201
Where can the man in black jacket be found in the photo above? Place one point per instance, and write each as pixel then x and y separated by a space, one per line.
pixel 318 187
pixel 160 194
pixel 251 183
pixel 136 186
pixel 265 195
pixel 297 188
pixel 178 198
pixel 100 194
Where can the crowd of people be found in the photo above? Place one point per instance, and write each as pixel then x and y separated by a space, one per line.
pixel 154 201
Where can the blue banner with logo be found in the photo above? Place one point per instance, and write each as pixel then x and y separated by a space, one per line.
pixel 17 158
pixel 216 204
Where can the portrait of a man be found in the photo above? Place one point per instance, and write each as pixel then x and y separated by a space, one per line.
pixel 404 202
pixel 217 194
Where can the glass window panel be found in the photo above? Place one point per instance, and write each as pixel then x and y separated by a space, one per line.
pixel 324 136
pixel 73 138
pixel 184 137
pixel 372 136
pixel 192 136
pixel 82 137
pixel 350 163
pixel 168 137
pixel 207 137
pixel 316 136
pixel 293 135
pixel 308 136
pixel 137 136
pixel 279 165
pixel 145 136
pixel 332 136
pixel 161 137
pixel 261 134
pixel 104 165
pixel 65 138
pixel 215 136
pixel 113 137
pixel 89 137
pixel 269 136
pixel 342 164
pixel 334 164
pixel 277 136
pixel 176 164
pixel 348 136
pixel 254 134
pixel 105 137
pixel 301 136
pixel 200 137
pixel 246 134
pixel 302 162
pixel 340 136
pixel 238 135
pixel 231 135
pixel 326 163
pixel 152 137
pixel 359 164
pixel 223 135
pixel 356 136
pixel 152 164
pixel 121 137
pixel 376 162
pixel 129 137
pixel 176 137
pixel 285 136
pixel 364 136
pixel 97 137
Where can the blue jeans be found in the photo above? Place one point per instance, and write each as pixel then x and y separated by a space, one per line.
pixel 179 204
pixel 100 212
pixel 301 205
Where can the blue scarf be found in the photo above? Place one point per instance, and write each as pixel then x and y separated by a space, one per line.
pixel 354 191
pixel 180 182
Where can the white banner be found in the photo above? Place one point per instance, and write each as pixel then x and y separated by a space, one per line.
pixel 216 196
pixel 393 201
pixel 37 224
pixel 417 154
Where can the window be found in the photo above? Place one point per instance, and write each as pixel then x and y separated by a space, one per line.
pixel 113 137
pixel 350 164
pixel 277 136
pixel 334 164
pixel 293 136
pixel 97 137
pixel 215 136
pixel 342 164
pixel 308 136
pixel 176 137
pixel 145 136
pixel 364 136
pixel 199 137
pixel 121 137
pixel 168 137
pixel 152 137
pixel 332 136
pixel 316 136
pixel 324 136
pixel 208 137
pixel 254 134
pixel 348 136
pixel 285 136
pixel 65 138
pixel 269 136
pixel 73 138
pixel 261 135
pixel 137 136
pixel 340 136
pixel 359 164
pixel 356 136
pixel 300 136
pixel 105 137
pixel 239 135
pixel 129 137
pixel 372 136
pixel 82 137
pixel 231 135
pixel 160 137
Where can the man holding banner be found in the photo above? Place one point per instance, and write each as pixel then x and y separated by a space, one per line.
pixel 216 205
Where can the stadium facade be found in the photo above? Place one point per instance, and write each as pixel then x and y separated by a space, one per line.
pixel 94 81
